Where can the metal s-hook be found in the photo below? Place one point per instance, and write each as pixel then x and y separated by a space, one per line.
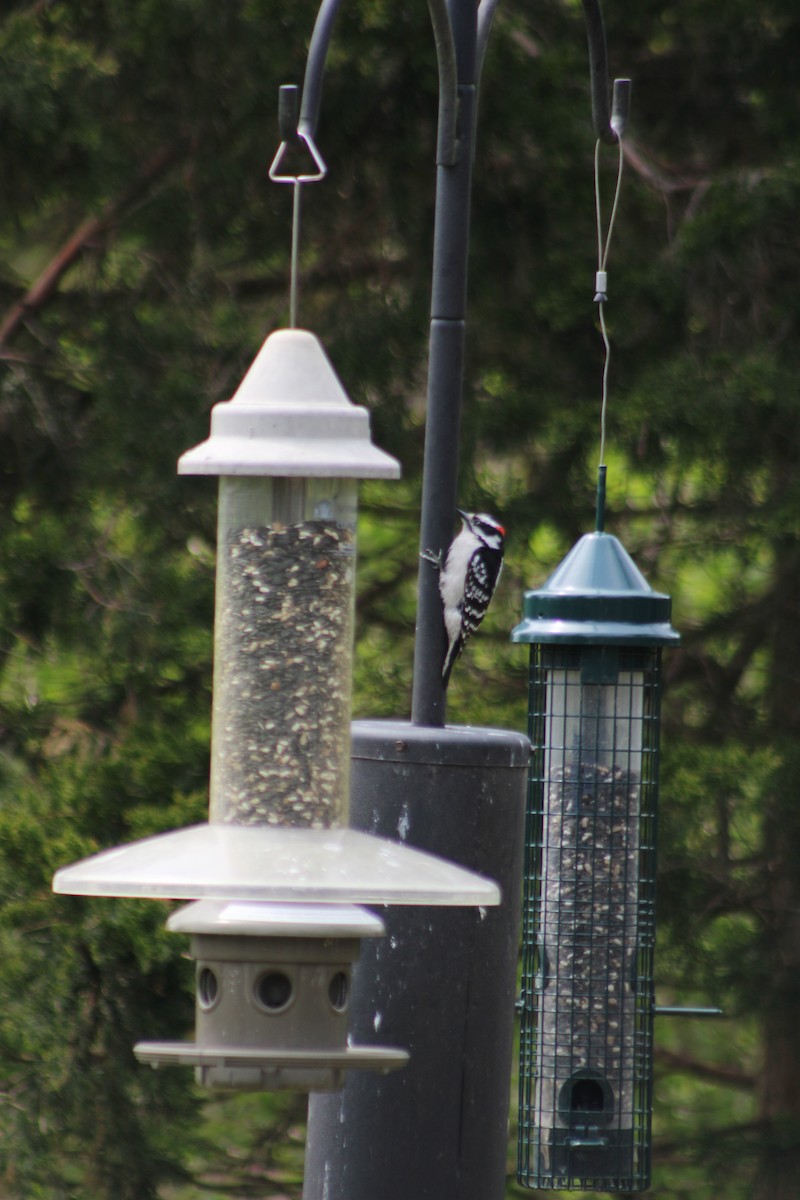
pixel 292 137
pixel 620 107
pixel 608 126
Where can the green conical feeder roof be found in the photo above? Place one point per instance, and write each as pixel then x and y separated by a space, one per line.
pixel 597 595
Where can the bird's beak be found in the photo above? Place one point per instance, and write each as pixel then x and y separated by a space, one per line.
pixel 464 516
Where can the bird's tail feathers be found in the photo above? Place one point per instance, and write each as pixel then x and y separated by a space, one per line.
pixel 453 651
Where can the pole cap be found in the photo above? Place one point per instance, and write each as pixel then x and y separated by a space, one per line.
pixel 597 595
pixel 290 417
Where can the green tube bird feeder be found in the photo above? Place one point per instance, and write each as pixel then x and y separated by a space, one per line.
pixel 596 629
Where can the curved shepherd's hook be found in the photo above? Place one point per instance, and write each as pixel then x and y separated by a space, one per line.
pixel 486 11
pixel 609 125
pixel 447 144
pixel 609 128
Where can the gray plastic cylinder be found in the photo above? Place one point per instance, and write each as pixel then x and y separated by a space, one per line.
pixel 441 984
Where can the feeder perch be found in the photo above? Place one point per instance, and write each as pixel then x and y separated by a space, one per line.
pixel 289 448
pixel 596 629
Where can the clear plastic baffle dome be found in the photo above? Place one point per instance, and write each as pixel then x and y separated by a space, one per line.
pixel 289 448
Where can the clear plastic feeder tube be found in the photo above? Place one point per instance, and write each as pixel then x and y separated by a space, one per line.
pixel 283 651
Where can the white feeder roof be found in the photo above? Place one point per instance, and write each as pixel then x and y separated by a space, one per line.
pixel 290 416
pixel 275 863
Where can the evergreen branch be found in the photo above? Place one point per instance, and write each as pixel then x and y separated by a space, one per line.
pixel 660 180
pixel 685 1064
pixel 43 289
pixel 675 1151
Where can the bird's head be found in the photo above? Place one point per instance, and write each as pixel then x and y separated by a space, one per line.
pixel 485 527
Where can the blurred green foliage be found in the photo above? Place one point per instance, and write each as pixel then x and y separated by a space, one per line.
pixel 144 257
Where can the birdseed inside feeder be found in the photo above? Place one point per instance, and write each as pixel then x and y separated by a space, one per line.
pixel 596 630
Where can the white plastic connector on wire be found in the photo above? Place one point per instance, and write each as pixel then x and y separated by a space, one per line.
pixel 600 287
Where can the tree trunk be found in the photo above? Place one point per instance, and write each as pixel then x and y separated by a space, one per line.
pixel 779 1085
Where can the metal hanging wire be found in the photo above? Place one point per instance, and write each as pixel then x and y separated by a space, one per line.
pixel 610 123
pixel 601 278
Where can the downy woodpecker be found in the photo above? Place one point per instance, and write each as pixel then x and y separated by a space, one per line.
pixel 468 579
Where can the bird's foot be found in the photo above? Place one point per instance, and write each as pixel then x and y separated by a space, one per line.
pixel 432 557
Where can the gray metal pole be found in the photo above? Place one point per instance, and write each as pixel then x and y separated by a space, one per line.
pixel 442 983
pixel 445 373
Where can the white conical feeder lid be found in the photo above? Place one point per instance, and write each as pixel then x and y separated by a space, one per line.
pixel 290 417
pixel 243 862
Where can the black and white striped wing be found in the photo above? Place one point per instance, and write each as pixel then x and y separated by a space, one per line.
pixel 483 575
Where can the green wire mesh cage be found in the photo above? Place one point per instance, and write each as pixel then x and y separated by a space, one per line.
pixel 596 630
